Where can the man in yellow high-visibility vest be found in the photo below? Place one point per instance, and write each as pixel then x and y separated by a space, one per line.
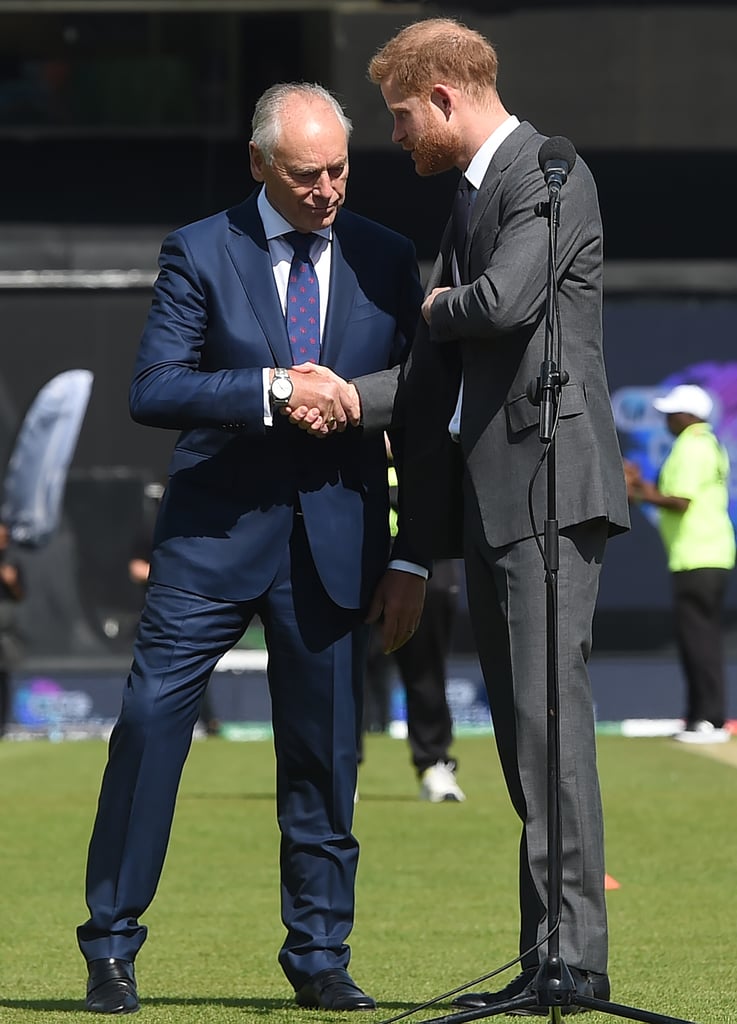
pixel 692 498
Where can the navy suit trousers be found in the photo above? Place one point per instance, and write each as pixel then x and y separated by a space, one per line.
pixel 316 654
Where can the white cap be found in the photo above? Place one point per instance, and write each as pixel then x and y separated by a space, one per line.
pixel 686 398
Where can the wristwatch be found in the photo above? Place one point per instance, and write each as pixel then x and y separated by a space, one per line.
pixel 281 388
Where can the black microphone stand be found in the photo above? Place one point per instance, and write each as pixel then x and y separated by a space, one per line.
pixel 553 987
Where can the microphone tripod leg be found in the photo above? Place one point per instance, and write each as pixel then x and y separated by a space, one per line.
pixel 553 992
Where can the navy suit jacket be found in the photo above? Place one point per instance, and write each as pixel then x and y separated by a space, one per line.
pixel 215 322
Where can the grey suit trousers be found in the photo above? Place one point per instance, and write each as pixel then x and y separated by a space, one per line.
pixel 507 602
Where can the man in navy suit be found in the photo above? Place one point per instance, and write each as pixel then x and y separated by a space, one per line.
pixel 287 520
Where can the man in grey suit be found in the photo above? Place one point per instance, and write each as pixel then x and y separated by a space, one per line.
pixel 471 444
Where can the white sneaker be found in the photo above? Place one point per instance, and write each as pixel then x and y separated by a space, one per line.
pixel 702 732
pixel 439 784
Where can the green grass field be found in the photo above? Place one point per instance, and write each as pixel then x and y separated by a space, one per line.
pixel 436 890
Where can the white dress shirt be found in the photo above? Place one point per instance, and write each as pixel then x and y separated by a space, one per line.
pixel 281 252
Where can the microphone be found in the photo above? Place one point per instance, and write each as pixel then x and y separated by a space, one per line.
pixel 556 157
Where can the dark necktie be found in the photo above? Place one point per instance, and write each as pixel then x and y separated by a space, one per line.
pixel 462 203
pixel 303 301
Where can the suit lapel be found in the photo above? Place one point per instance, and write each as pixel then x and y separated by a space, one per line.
pixel 505 155
pixel 249 251
pixel 343 290
pixel 440 272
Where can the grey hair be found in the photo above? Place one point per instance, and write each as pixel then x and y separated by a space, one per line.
pixel 266 121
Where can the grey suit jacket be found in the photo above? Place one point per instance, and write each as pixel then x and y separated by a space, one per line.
pixel 492 330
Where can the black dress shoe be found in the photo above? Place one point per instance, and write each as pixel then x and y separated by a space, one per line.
pixel 333 990
pixel 111 987
pixel 588 983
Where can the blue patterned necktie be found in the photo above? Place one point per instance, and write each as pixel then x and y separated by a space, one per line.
pixel 303 301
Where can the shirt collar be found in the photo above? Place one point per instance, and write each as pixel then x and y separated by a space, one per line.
pixel 476 170
pixel 275 225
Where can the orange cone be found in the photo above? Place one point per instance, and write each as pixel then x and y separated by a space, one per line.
pixel 611 883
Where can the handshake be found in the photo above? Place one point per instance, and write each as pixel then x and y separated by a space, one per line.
pixel 321 403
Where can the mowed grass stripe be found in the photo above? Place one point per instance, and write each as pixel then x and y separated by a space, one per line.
pixel 436 899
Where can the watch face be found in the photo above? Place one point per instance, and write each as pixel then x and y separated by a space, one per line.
pixel 281 389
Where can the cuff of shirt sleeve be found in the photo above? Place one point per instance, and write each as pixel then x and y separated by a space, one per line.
pixel 268 415
pixel 402 566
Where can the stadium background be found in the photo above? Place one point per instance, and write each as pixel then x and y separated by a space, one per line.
pixel 122 118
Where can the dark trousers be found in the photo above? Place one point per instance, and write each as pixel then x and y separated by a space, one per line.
pixel 698 596
pixel 315 674
pixel 422 663
pixel 507 601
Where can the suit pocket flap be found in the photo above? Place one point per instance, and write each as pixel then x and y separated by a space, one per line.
pixel 364 310
pixel 522 414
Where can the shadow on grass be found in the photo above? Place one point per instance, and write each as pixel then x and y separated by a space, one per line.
pixel 384 798
pixel 183 797
pixel 258 1005
pixel 77 1005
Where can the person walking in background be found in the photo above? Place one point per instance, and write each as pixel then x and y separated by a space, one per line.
pixel 422 664
pixel 11 593
pixel 470 440
pixel 285 307
pixel 692 499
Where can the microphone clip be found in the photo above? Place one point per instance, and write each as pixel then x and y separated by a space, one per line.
pixel 556 175
pixel 553 381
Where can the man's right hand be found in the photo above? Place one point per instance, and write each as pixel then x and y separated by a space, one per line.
pixel 322 402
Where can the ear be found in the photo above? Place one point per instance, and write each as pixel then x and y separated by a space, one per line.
pixel 442 97
pixel 257 161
